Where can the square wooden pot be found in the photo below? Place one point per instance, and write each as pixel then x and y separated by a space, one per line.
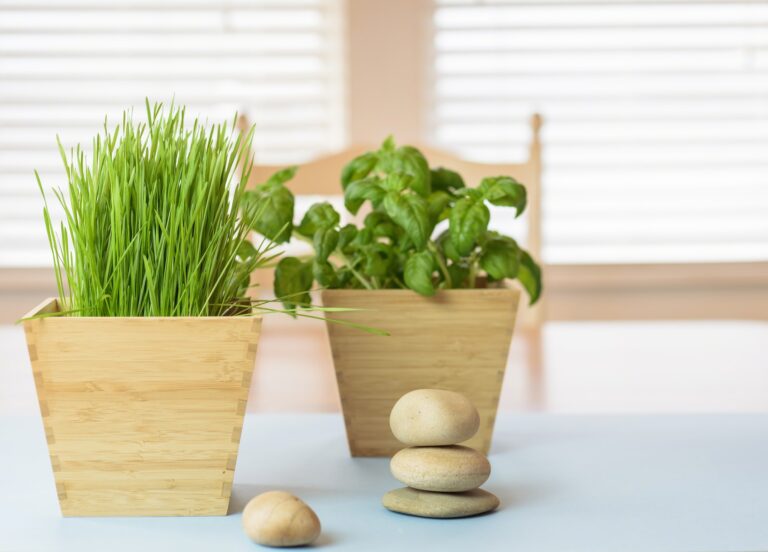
pixel 142 416
pixel 456 340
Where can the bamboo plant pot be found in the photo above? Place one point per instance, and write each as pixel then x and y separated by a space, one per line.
pixel 456 340
pixel 142 416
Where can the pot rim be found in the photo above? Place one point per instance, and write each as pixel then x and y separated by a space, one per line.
pixel 503 286
pixel 51 305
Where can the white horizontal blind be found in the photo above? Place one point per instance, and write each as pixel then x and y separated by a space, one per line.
pixel 66 64
pixel 656 118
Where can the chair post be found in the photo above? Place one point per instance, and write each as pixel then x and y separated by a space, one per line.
pixel 534 188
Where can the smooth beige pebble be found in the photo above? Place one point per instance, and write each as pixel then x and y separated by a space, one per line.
pixel 428 417
pixel 278 518
pixel 447 469
pixel 440 505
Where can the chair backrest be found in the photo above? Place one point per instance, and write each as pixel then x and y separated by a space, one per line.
pixel 322 177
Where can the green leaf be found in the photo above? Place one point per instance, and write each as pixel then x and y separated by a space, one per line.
pixel 406 160
pixel 363 237
pixel 468 222
pixel 459 274
pixel 325 241
pixel 320 215
pixel 381 225
pixel 412 162
pixel 418 273
pixel 529 276
pixel 346 237
pixel 446 180
pixel 324 273
pixel 360 190
pixel 293 280
pixel 409 211
pixel 437 206
pixel 358 168
pixel 500 258
pixel 283 176
pixel 270 207
pixel 377 259
pixel 345 278
pixel 504 191
pixel 397 182
pixel 246 250
pixel 445 243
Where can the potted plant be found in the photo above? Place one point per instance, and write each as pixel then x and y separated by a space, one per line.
pixel 454 332
pixel 143 363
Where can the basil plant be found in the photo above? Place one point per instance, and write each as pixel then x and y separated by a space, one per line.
pixel 397 245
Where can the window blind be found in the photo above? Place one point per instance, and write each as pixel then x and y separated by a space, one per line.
pixel 65 65
pixel 656 119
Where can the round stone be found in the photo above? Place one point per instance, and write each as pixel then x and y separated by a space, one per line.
pixel 440 505
pixel 445 469
pixel 429 417
pixel 277 518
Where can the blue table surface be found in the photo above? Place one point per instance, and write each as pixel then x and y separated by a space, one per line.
pixel 653 482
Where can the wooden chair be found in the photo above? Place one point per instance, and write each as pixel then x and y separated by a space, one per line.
pixel 322 177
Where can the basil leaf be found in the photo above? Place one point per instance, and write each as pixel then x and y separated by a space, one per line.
pixel 500 258
pixel 504 191
pixel 459 274
pixel 358 168
pixel 246 250
pixel 360 190
pixel 324 273
pixel 344 278
pixel 378 257
pixel 409 211
pixel 449 249
pixel 437 206
pixel 283 176
pixel 325 241
pixel 412 162
pixel 446 180
pixel 406 160
pixel 363 237
pixel 397 182
pixel 346 237
pixel 293 280
pixel 320 215
pixel 271 208
pixel 381 225
pixel 418 273
pixel 468 222
pixel 529 276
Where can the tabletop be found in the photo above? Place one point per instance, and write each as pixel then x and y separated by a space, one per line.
pixel 587 367
pixel 566 482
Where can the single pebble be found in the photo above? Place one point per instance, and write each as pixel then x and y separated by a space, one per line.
pixel 277 518
pixel 446 469
pixel 440 505
pixel 428 417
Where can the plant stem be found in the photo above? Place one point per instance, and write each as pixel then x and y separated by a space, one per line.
pixel 441 263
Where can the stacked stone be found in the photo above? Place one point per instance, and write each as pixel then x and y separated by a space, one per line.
pixel 443 477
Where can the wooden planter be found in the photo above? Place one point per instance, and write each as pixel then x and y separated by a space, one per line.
pixel 457 340
pixel 142 415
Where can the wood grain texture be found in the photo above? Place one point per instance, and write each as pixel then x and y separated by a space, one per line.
pixel 457 340
pixel 142 415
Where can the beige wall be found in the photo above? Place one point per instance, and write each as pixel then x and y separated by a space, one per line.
pixel 386 51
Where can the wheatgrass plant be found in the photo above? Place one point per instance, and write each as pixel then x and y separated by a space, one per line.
pixel 154 224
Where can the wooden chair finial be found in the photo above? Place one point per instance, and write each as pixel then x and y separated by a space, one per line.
pixel 536 123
